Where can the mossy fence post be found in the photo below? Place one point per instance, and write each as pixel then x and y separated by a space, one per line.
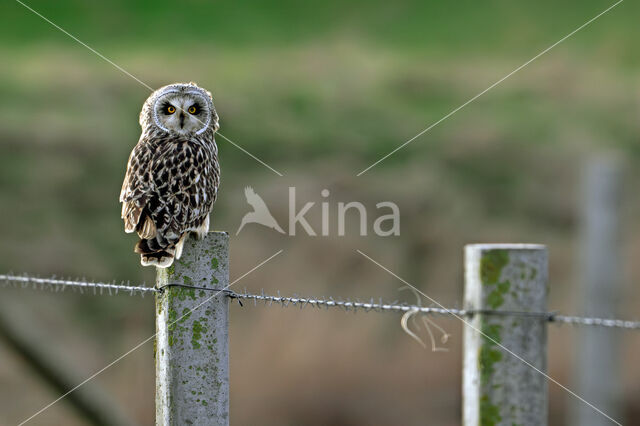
pixel 192 344
pixel 499 389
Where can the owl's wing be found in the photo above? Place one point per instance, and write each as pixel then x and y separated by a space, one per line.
pixel 136 188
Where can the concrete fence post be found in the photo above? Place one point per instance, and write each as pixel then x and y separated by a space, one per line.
pixel 596 370
pixel 499 389
pixel 192 344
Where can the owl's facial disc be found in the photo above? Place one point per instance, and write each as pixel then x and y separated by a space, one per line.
pixel 182 113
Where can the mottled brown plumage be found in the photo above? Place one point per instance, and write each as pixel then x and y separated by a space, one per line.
pixel 173 173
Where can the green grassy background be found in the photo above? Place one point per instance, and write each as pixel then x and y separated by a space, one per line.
pixel 319 91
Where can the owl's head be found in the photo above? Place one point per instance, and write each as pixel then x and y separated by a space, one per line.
pixel 180 109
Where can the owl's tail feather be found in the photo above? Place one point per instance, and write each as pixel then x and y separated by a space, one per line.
pixel 162 258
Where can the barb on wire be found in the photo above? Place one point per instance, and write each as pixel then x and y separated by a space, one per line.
pixel 372 305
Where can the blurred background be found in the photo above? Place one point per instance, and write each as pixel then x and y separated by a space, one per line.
pixel 320 91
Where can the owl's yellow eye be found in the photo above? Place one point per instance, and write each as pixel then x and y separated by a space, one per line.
pixel 192 109
pixel 171 109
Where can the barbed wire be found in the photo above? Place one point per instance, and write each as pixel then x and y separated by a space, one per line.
pixel 372 305
pixel 58 284
pixel 380 306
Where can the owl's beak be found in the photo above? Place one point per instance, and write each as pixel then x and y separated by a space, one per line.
pixel 181 119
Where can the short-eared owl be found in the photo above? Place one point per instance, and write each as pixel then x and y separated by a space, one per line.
pixel 173 173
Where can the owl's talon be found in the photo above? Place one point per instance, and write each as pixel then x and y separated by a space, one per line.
pixel 198 235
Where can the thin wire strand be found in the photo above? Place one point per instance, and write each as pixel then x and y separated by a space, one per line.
pixel 488 88
pixel 85 45
pixel 135 78
pixel 372 305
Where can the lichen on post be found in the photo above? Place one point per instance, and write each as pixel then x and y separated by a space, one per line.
pixel 498 388
pixel 192 342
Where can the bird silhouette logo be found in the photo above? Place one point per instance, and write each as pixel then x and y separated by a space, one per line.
pixel 260 213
